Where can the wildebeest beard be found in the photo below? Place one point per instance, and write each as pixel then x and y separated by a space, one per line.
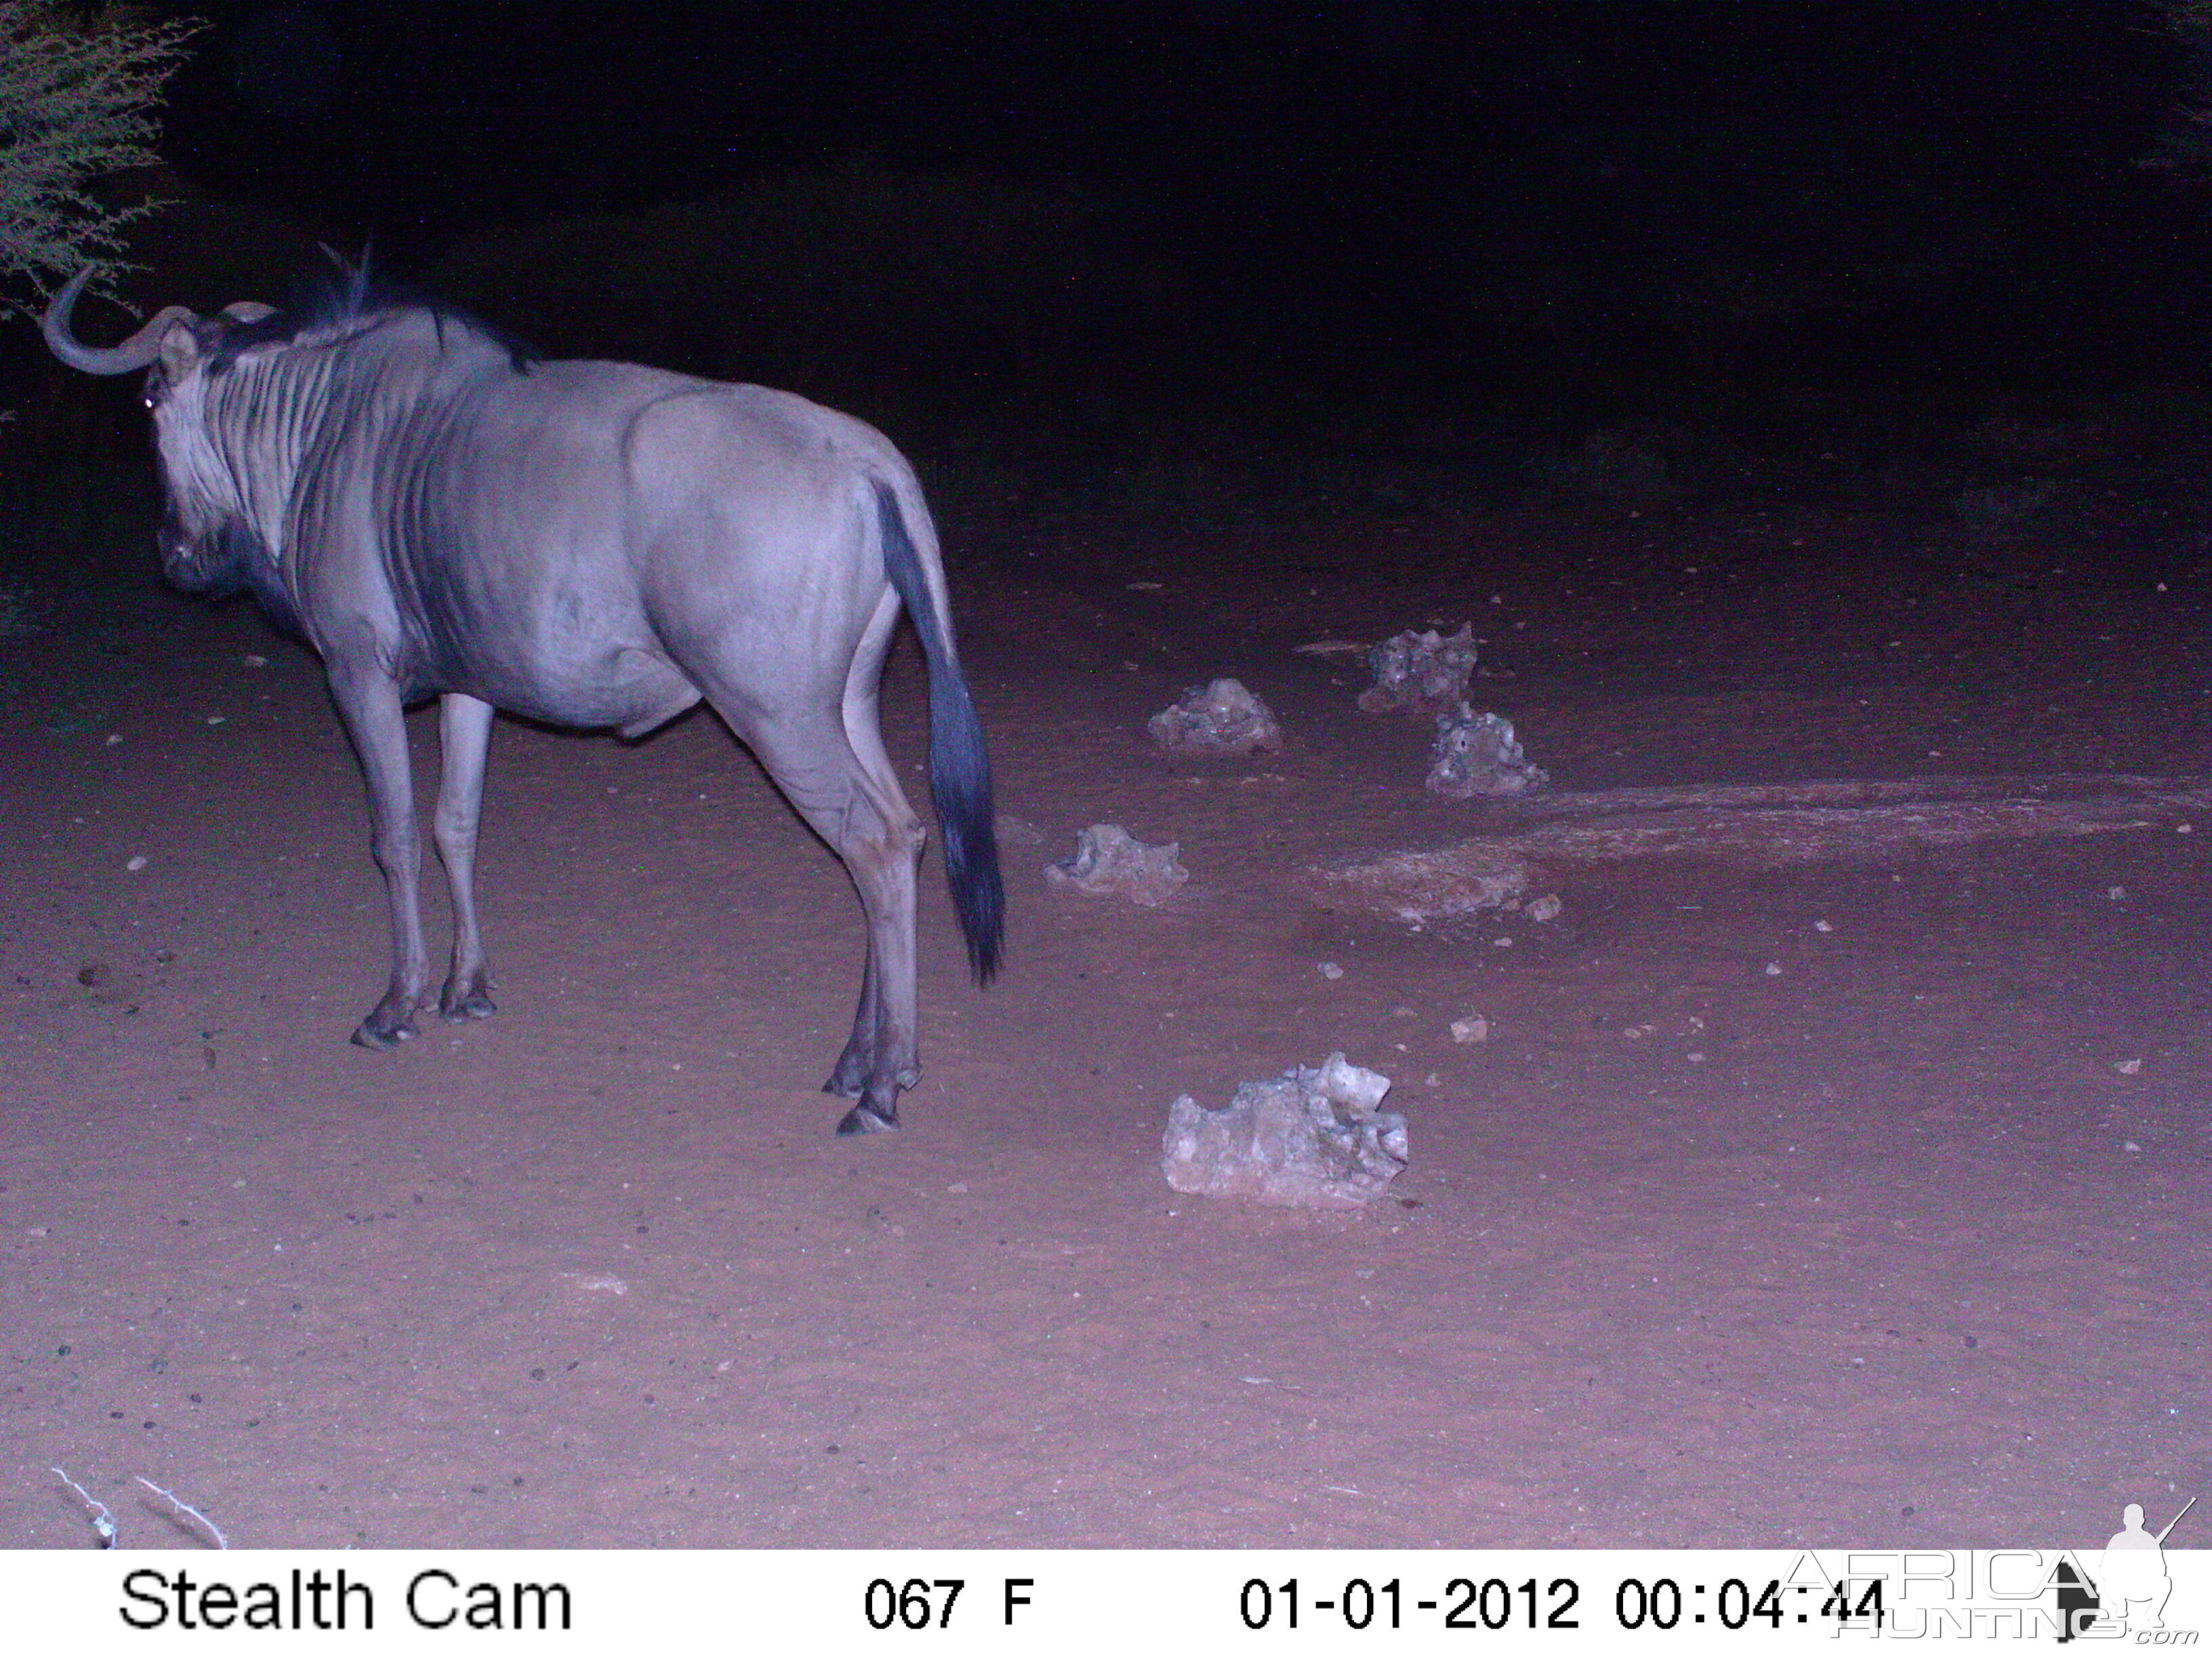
pixel 228 560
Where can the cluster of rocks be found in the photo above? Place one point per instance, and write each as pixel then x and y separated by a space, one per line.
pixel 1314 1135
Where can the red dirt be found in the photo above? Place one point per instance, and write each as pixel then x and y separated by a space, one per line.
pixel 1882 1247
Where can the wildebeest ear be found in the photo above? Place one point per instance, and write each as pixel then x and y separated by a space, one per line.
pixel 248 311
pixel 180 350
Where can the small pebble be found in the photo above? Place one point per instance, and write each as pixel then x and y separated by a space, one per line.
pixel 1773 970
pixel 1330 970
pixel 137 863
pixel 2127 1067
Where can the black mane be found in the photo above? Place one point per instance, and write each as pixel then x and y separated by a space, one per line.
pixel 348 294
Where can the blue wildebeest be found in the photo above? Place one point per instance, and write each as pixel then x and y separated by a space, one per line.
pixel 590 544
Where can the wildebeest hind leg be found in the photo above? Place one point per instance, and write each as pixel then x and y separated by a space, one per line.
pixel 877 835
pixel 369 705
pixel 849 1076
pixel 464 736
pixel 882 857
pixel 862 719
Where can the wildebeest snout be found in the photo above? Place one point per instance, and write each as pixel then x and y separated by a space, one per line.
pixel 181 561
pixel 209 564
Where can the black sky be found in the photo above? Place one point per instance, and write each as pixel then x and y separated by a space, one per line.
pixel 1377 167
pixel 434 110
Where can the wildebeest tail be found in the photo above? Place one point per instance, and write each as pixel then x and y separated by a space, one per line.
pixel 959 769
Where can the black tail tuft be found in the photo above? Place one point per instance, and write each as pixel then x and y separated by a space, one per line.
pixel 959 767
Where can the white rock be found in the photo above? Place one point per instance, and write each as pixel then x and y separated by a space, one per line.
pixel 1425 672
pixel 1107 860
pixel 1221 718
pixel 1479 754
pixel 1352 1086
pixel 1310 1137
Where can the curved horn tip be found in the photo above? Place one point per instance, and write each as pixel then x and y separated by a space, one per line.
pixel 140 350
pixel 54 323
pixel 65 297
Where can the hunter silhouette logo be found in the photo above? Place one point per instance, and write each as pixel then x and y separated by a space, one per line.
pixel 2131 1584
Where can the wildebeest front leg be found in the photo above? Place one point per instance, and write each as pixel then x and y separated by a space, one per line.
pixel 464 736
pixel 369 704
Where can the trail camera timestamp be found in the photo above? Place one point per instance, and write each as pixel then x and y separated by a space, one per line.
pixel 1498 1604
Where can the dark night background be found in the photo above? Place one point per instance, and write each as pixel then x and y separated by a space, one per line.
pixel 1803 408
pixel 1245 236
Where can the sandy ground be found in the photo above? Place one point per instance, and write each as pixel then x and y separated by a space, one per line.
pixel 1827 1206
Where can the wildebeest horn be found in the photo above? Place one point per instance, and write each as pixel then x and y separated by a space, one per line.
pixel 140 350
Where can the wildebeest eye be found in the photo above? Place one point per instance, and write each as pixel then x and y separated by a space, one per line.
pixel 155 387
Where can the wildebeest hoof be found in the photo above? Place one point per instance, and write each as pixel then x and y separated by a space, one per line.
pixel 866 1120
pixel 370 1035
pixel 474 1006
